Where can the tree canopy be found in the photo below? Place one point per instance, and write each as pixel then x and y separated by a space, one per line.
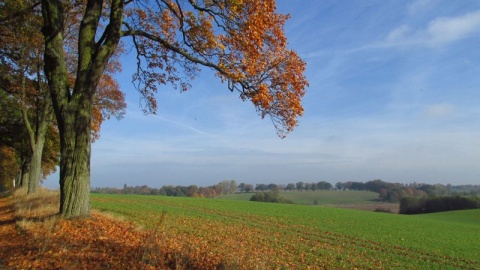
pixel 23 81
pixel 242 41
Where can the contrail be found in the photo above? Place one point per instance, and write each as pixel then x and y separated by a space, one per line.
pixel 183 125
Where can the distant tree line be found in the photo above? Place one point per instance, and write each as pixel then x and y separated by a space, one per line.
pixel 388 192
pixel 411 205
pixel 394 192
pixel 224 187
pixel 299 186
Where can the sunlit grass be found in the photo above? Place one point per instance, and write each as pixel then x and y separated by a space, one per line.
pixel 37 209
pixel 286 235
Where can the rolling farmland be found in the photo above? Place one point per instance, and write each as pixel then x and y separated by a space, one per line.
pixel 321 197
pixel 243 234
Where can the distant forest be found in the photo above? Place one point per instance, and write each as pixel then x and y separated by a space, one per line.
pixel 388 192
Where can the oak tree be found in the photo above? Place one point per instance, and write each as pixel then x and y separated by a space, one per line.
pixel 241 40
pixel 22 77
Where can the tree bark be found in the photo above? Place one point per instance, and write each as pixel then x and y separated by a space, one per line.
pixel 73 107
pixel 75 165
pixel 74 137
pixel 24 173
pixel 36 166
pixel 36 162
pixel 36 136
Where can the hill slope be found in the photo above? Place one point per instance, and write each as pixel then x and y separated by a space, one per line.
pixel 320 197
pixel 251 234
pixel 464 217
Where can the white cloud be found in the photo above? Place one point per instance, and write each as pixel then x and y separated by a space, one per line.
pixel 443 30
pixel 439 31
pixel 398 34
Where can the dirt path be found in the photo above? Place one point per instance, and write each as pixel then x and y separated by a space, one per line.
pixel 12 243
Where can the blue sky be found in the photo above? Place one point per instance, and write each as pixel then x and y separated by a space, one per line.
pixel 394 95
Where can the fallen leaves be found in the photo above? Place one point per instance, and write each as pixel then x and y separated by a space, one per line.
pixel 98 242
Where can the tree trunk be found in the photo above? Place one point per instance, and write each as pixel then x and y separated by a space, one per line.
pixel 73 107
pixel 36 131
pixel 36 166
pixel 75 163
pixel 25 173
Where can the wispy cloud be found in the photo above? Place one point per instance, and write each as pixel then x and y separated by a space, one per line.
pixel 182 124
pixel 398 34
pixel 449 29
pixel 420 5
pixel 439 31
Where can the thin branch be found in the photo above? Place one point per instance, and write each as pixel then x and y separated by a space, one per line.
pixel 177 50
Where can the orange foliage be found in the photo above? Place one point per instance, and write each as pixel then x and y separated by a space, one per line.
pixel 8 166
pixel 243 41
pixel 25 43
pixel 108 101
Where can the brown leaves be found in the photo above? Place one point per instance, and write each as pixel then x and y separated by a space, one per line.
pixel 99 242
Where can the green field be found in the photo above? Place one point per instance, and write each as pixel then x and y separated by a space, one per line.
pixel 462 217
pixel 320 197
pixel 265 236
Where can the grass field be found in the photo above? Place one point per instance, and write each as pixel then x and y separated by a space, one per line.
pixel 256 235
pixel 360 200
pixel 462 217
pixel 320 197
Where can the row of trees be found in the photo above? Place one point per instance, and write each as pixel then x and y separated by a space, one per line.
pixel 411 205
pixel 394 192
pixel 299 186
pixel 224 187
pixel 57 58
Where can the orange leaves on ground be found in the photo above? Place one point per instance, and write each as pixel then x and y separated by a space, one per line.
pixel 95 243
pixel 12 242
pixel 98 242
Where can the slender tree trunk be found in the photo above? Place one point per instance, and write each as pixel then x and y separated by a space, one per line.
pixel 36 133
pixel 25 173
pixel 36 166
